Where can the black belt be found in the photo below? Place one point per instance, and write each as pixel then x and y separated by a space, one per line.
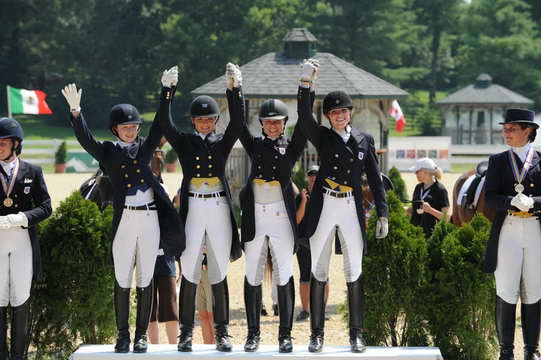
pixel 149 206
pixel 337 194
pixel 207 196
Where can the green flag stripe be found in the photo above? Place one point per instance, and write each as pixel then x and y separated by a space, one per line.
pixel 15 101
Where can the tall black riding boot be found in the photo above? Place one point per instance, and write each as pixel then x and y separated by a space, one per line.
pixel 505 326
pixel 531 319
pixel 220 292
pixel 356 310
pixel 122 313
pixel 187 314
pixel 286 305
pixel 144 307
pixel 317 314
pixel 20 330
pixel 3 333
pixel 253 304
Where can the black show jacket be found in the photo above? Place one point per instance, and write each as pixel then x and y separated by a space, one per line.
pixel 340 162
pixel 30 196
pixel 500 189
pixel 271 161
pixel 201 159
pixel 126 173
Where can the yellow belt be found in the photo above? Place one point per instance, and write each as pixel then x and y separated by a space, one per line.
pixel 334 185
pixel 198 182
pixel 263 182
pixel 521 214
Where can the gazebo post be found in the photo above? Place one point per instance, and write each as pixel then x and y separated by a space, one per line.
pixel 491 125
pixel 470 132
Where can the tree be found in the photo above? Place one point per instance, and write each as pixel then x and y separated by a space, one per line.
pixel 500 38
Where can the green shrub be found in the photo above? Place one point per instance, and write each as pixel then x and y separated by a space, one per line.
pixel 459 297
pixel 61 154
pixel 170 156
pixel 73 303
pixel 393 270
pixel 398 183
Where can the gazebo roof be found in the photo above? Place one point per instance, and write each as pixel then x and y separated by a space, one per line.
pixel 276 74
pixel 483 91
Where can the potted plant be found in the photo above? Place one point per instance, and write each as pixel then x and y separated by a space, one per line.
pixel 60 157
pixel 171 160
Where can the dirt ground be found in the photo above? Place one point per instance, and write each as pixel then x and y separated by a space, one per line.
pixel 61 185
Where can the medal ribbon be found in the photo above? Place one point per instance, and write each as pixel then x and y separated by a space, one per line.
pixel 519 175
pixel 424 193
pixel 8 189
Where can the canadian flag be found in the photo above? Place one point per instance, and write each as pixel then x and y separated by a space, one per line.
pixel 396 112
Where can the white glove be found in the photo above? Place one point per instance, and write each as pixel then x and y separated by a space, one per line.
pixel 18 219
pixel 309 70
pixel 522 202
pixel 4 223
pixel 233 76
pixel 382 227
pixel 73 97
pixel 170 77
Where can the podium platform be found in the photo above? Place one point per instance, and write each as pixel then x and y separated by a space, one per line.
pixel 208 352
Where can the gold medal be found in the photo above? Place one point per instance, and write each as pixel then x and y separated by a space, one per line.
pixel 8 202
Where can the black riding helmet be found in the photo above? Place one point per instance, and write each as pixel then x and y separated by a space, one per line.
pixel 11 129
pixel 123 114
pixel 204 106
pixel 273 109
pixel 336 100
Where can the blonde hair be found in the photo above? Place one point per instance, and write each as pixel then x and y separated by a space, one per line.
pixel 437 173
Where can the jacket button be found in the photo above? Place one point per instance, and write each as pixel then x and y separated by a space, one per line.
pixel 129 185
pixel 210 174
pixel 335 155
pixel 259 166
pixel 350 160
pixel 126 175
pixel 276 156
pixel 531 185
pixel 197 158
pixel 198 175
pixel 16 205
pixel 210 157
pixel 335 168
pixel 142 181
pixel 333 178
pixel 348 171
pixel 210 166
pixel 122 166
pixel 274 168
pixel 345 182
pixel 138 170
pixel 198 166
pixel 135 161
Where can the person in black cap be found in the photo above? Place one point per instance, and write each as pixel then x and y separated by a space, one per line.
pixel 144 219
pixel 24 202
pixel 513 189
pixel 336 203
pixel 205 208
pixel 268 215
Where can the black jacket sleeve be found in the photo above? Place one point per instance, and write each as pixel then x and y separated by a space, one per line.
pixel 238 113
pixel 494 186
pixel 86 139
pixel 236 119
pixel 41 200
pixel 373 176
pixel 165 119
pixel 308 123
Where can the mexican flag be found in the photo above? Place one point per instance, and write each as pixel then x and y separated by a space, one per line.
pixel 21 101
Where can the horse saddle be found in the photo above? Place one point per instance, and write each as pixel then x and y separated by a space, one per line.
pixel 473 185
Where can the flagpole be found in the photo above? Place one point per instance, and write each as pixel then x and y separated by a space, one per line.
pixel 9 105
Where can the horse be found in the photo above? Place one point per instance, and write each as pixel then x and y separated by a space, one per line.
pixel 99 188
pixel 468 199
pixel 368 197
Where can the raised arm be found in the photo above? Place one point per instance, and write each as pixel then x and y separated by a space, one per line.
pixel 165 119
pixel 82 132
pixel 235 103
pixel 169 82
pixel 298 140
pixel 307 122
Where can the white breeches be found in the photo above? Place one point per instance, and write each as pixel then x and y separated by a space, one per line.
pixel 272 231
pixel 16 268
pixel 519 267
pixel 337 214
pixel 208 228
pixel 137 242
